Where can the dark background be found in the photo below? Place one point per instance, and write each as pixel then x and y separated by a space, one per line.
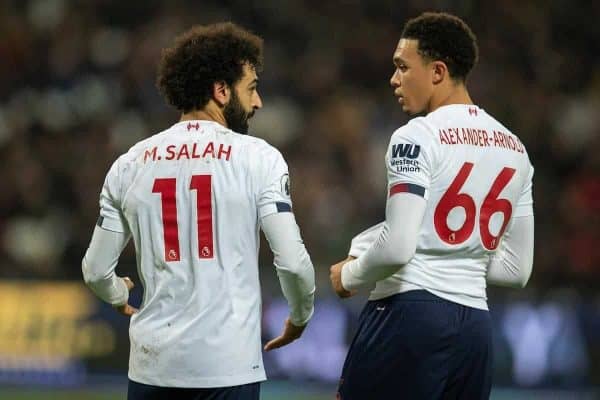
pixel 77 90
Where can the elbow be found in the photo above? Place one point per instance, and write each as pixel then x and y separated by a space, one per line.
pixel 524 279
pixel 293 266
pixel 298 269
pixel 91 275
pixel 392 263
pixel 399 257
pixel 297 261
pixel 399 249
pixel 522 284
pixel 525 270
pixel 516 283
pixel 396 262
pixel 519 283
pixel 509 276
pixel 290 269
pixel 404 258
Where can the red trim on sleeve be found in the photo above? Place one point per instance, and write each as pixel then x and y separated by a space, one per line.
pixel 407 188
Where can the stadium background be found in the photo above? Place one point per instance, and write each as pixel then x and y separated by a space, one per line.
pixel 77 89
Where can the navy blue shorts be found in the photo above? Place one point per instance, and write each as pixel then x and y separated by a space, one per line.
pixel 415 345
pixel 139 391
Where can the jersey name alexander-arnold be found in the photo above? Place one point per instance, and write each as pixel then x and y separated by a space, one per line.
pixel 480 137
pixel 188 151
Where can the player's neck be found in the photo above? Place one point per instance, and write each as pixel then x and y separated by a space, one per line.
pixel 206 114
pixel 456 94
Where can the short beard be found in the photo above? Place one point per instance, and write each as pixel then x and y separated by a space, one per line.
pixel 235 115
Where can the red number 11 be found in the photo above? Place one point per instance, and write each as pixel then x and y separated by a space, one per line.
pixel 166 187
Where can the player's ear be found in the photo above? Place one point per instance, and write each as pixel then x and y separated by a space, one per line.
pixel 221 93
pixel 439 72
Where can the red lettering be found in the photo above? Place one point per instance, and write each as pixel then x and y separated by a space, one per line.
pixel 511 143
pixel 520 147
pixel 477 135
pixel 194 154
pixel 150 153
pixel 210 148
pixel 170 152
pixel 465 136
pixel 473 136
pixel 496 140
pixel 221 151
pixel 443 138
pixel 485 137
pixel 457 136
pixel 500 139
pixel 503 140
pixel 182 151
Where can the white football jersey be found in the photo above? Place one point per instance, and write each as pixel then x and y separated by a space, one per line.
pixel 192 197
pixel 476 178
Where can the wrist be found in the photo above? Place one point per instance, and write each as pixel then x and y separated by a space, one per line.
pixel 300 323
pixel 347 277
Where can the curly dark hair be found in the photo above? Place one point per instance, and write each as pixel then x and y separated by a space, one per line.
pixel 444 37
pixel 202 56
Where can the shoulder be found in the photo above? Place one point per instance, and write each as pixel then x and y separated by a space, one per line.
pixel 261 150
pixel 134 156
pixel 419 131
pixel 514 142
pixel 135 153
pixel 255 142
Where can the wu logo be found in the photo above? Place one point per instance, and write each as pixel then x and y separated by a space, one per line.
pixel 406 150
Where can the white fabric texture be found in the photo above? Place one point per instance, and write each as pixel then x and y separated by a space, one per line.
pixel 293 265
pixel 99 263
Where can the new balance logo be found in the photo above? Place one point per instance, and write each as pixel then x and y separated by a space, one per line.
pixel 196 126
pixel 472 111
pixel 406 150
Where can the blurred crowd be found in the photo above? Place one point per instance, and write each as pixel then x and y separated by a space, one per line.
pixel 77 89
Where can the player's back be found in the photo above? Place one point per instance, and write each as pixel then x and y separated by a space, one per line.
pixel 191 198
pixel 478 179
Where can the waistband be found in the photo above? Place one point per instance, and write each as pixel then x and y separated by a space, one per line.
pixel 411 295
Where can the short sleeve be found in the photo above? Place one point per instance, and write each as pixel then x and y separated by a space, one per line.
pixel 410 160
pixel 274 184
pixel 111 217
pixel 524 207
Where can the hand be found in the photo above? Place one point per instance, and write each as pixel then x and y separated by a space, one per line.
pixel 290 333
pixel 335 275
pixel 126 309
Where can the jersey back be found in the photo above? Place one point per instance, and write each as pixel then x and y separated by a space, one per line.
pixel 192 198
pixel 476 178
